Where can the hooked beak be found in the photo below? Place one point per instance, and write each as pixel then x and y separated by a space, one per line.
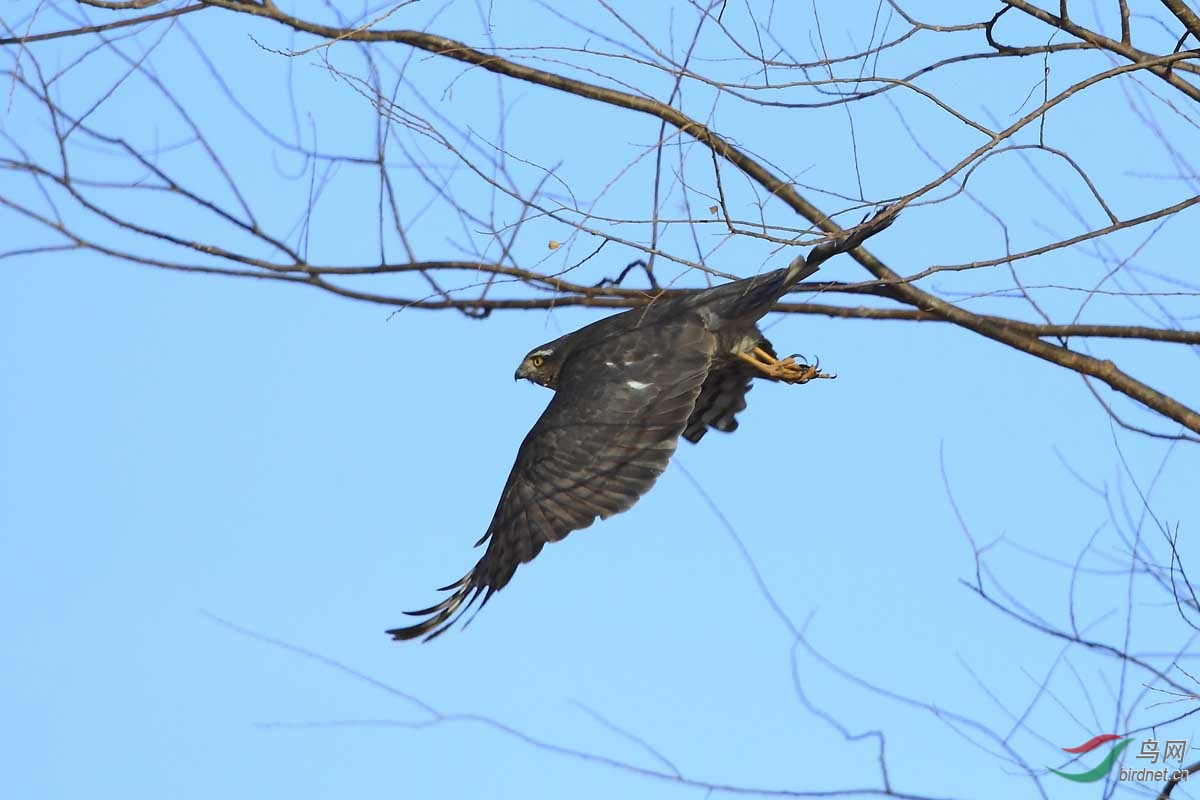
pixel 520 373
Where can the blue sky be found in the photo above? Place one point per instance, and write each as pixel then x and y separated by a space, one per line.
pixel 178 450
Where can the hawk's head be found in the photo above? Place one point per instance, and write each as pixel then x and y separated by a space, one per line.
pixel 541 366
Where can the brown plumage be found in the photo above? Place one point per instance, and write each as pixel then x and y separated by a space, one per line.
pixel 626 388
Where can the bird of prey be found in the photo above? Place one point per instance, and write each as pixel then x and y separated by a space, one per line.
pixel 625 389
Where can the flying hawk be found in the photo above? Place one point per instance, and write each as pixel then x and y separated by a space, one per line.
pixel 625 389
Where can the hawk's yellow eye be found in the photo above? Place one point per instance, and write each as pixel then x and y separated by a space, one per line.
pixel 537 361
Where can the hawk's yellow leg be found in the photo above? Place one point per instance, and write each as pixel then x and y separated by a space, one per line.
pixel 785 370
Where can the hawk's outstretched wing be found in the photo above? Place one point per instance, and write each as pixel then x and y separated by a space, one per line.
pixel 606 436
pixel 722 397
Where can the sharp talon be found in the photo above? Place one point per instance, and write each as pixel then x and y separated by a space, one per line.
pixel 785 370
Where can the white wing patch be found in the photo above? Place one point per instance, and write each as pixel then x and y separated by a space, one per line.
pixel 638 385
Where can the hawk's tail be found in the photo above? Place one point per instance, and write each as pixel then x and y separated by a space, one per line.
pixel 847 240
pixel 798 270
pixel 756 295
